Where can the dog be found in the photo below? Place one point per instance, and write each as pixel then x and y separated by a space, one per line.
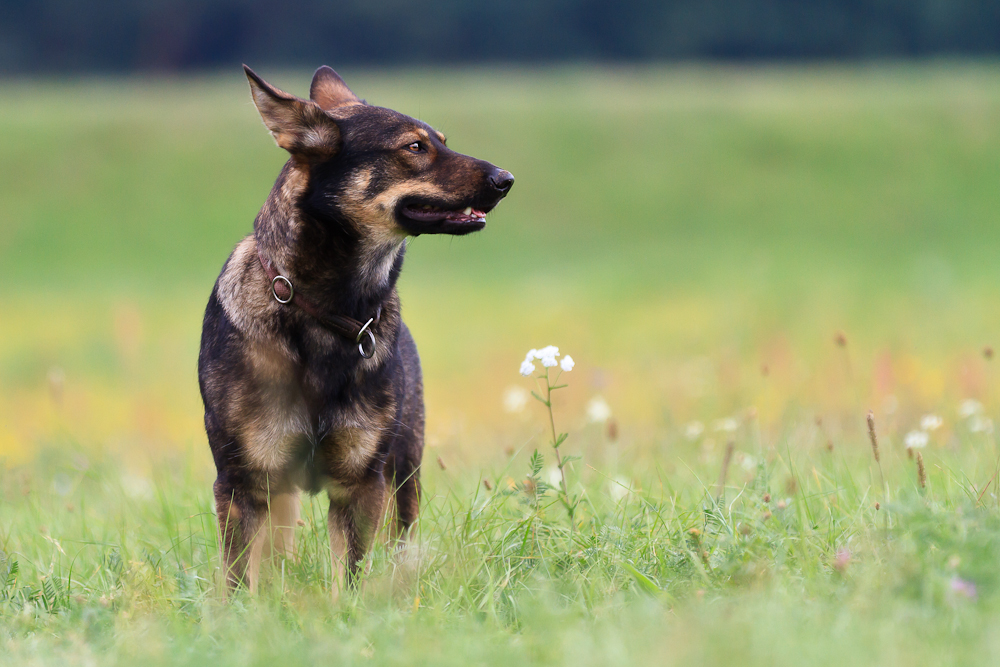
pixel 311 381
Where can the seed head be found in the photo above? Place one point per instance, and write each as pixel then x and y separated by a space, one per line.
pixel 872 436
pixel 988 352
pixel 921 471
pixel 840 339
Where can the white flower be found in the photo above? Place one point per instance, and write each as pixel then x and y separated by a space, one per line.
pixel 137 488
pixel 619 488
pixel 981 424
pixel 598 410
pixel 547 355
pixel 527 368
pixel 930 422
pixel 969 407
pixel 515 399
pixel 916 439
pixel 693 430
pixel 547 351
pixel 728 424
pixel 567 363
pixel 62 484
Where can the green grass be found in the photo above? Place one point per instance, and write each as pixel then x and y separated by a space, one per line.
pixel 694 237
pixel 124 569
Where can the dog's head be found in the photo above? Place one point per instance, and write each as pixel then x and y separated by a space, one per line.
pixel 384 172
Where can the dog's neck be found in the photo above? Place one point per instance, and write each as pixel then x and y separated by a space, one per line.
pixel 326 260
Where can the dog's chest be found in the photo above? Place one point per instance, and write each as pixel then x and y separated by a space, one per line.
pixel 301 433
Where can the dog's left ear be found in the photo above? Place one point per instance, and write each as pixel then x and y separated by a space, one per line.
pixel 299 126
pixel 329 91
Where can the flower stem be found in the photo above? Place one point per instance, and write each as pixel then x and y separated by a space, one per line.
pixel 564 491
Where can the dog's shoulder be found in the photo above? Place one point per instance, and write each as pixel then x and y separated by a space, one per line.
pixel 243 292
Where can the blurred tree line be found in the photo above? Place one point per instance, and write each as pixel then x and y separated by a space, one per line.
pixel 122 35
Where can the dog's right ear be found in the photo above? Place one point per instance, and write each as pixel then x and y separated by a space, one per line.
pixel 329 91
pixel 299 126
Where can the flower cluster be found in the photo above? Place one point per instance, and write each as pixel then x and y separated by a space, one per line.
pixel 916 439
pixel 972 410
pixel 970 407
pixel 930 423
pixel 919 439
pixel 547 356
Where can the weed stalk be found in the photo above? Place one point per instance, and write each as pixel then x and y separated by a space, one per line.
pixel 557 440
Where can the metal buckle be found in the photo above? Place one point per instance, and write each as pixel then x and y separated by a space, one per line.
pixel 291 290
pixel 371 337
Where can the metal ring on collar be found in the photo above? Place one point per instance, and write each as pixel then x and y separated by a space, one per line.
pixel 361 346
pixel 364 329
pixel 371 337
pixel 291 290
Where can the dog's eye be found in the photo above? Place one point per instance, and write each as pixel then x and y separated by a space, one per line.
pixel 415 147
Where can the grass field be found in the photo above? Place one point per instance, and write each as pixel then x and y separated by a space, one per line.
pixel 747 255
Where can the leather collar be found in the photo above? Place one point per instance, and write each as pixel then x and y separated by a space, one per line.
pixel 284 293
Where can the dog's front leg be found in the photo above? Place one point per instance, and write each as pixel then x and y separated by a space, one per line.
pixel 337 523
pixel 240 517
pixel 353 520
pixel 283 515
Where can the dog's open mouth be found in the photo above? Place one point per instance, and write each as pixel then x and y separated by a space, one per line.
pixel 428 213
pixel 424 218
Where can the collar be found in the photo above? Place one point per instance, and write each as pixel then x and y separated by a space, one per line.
pixel 347 327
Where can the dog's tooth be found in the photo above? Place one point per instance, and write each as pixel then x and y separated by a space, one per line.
pixel 467 211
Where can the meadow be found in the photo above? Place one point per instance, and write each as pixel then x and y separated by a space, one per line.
pixel 743 262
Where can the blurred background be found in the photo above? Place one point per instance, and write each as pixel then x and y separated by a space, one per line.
pixel 163 35
pixel 723 209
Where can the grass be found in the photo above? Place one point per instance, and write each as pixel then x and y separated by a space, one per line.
pixel 123 569
pixel 694 237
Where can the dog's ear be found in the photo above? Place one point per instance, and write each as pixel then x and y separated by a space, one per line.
pixel 329 91
pixel 299 126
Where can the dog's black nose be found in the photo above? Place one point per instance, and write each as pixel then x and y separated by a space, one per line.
pixel 502 180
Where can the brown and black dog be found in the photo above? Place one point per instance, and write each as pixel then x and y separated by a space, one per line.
pixel 310 379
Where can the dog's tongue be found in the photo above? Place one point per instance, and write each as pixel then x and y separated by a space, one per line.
pixel 468 214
